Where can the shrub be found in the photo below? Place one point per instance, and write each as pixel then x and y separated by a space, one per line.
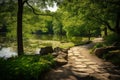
pixel 110 39
pixel 98 45
pixel 26 67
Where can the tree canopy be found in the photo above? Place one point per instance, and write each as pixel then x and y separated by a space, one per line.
pixel 105 12
pixel 73 18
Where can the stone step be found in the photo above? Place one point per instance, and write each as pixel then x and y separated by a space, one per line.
pixel 81 74
pixel 90 63
pixel 80 66
pixel 82 60
pixel 84 70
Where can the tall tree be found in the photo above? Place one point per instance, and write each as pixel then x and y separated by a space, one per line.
pixel 39 3
pixel 105 12
pixel 19 28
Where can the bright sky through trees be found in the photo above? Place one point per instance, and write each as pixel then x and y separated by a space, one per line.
pixel 54 8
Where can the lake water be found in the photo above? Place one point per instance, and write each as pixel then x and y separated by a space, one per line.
pixel 7 52
pixel 34 43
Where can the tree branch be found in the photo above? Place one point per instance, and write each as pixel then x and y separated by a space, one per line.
pixel 26 1
pixel 104 22
pixel 109 27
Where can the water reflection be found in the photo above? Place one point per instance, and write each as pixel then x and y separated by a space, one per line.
pixel 33 44
pixel 7 53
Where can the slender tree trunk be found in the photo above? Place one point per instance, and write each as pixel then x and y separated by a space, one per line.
pixel 19 28
pixel 105 31
pixel 89 35
pixel 117 27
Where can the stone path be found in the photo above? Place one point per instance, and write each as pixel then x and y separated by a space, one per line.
pixel 84 66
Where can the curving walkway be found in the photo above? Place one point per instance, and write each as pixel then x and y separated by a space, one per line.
pixel 84 66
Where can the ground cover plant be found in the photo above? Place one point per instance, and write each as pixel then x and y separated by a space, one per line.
pixel 25 67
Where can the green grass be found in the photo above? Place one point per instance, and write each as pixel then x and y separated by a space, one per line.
pixel 26 67
pixel 32 44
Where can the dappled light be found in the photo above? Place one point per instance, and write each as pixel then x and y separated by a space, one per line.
pixel 59 39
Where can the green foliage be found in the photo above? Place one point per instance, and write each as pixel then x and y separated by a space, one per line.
pixel 8 17
pixel 111 38
pixel 113 56
pixel 98 45
pixel 97 12
pixel 26 67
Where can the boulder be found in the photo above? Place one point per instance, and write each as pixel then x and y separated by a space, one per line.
pixel 116 44
pixel 46 50
pixel 55 54
pixel 110 48
pixel 61 59
pixel 104 50
pixel 114 77
pixel 114 56
pixel 65 50
pixel 62 55
pixel 57 49
pixel 100 52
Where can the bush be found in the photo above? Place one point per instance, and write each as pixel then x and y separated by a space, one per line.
pixel 113 56
pixel 26 67
pixel 110 39
pixel 98 45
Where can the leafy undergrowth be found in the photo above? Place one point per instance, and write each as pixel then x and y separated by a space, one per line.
pixel 113 56
pixel 25 67
pixel 97 45
pixel 108 54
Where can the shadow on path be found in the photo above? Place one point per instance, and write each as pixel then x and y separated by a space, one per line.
pixel 84 66
pixel 65 73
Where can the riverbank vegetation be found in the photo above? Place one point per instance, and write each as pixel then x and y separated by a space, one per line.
pixel 25 67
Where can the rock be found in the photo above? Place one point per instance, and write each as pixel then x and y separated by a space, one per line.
pixel 110 48
pixel 114 77
pixel 62 55
pixel 100 52
pixel 65 50
pixel 104 50
pixel 116 44
pixel 57 49
pixel 55 54
pixel 114 56
pixel 61 59
pixel 46 50
pixel 60 51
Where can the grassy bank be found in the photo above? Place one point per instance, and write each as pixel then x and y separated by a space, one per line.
pixel 26 67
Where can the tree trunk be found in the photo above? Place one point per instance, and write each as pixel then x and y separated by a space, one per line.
pixel 105 31
pixel 19 28
pixel 89 35
pixel 117 27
